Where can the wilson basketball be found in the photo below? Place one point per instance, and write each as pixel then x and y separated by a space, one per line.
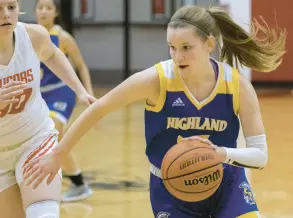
pixel 191 171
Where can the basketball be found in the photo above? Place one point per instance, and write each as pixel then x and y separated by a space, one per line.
pixel 191 171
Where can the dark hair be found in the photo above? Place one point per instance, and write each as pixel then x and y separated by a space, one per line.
pixel 261 50
pixel 58 19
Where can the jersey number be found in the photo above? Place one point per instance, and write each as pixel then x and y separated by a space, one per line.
pixel 17 107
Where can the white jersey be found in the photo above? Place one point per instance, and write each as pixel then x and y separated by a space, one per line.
pixel 21 120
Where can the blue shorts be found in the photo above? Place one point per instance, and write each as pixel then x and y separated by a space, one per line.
pixel 233 199
pixel 61 102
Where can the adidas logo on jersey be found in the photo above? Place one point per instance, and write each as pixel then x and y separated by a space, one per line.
pixel 178 102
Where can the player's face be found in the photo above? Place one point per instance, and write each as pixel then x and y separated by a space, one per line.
pixel 188 51
pixel 9 11
pixel 45 12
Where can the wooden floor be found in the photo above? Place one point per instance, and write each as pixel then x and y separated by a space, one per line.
pixel 112 157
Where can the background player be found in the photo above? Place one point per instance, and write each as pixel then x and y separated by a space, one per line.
pixel 192 86
pixel 26 128
pixel 58 96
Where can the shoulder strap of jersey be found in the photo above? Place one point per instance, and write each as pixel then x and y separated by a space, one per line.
pixel 55 30
pixel 231 78
pixel 165 71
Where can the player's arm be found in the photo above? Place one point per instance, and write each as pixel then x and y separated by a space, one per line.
pixel 54 58
pixel 71 48
pixel 144 85
pixel 255 154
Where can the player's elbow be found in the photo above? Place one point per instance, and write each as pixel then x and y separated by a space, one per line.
pixel 50 57
pixel 263 160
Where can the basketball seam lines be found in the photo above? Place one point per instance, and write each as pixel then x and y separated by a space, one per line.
pixel 194 192
pixel 175 177
pixel 183 154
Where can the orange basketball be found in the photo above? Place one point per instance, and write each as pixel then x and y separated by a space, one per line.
pixel 191 171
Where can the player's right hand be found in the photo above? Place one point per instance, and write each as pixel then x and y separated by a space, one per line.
pixel 36 171
pixel 9 91
pixel 221 151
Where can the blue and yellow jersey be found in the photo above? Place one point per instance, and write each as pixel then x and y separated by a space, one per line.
pixel 178 114
pixel 48 77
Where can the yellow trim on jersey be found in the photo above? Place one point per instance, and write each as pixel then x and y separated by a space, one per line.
pixel 58 116
pixel 216 90
pixel 161 100
pixel 55 31
pixel 231 87
pixel 254 214
pixel 41 73
pixel 236 100
pixel 174 84
pixel 171 81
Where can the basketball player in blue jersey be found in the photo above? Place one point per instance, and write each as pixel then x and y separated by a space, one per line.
pixel 58 96
pixel 193 95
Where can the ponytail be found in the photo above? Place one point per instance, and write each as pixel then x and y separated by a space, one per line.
pixel 261 50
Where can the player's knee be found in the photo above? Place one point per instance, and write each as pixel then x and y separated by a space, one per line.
pixel 253 214
pixel 43 209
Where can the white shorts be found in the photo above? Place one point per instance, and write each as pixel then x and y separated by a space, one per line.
pixel 12 160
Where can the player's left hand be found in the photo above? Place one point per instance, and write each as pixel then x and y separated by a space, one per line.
pixel 37 170
pixel 221 152
pixel 86 99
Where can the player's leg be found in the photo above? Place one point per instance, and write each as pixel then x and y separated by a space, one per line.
pixel 10 198
pixel 61 103
pixel 43 201
pixel 164 205
pixel 11 203
pixel 79 189
pixel 68 164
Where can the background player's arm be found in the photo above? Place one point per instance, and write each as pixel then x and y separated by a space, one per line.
pixel 53 58
pixel 255 153
pixel 73 51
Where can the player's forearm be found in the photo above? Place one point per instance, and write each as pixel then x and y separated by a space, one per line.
pixel 86 79
pixel 253 156
pixel 247 157
pixel 60 65
pixel 78 129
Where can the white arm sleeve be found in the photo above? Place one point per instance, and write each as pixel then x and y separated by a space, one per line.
pixel 255 155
